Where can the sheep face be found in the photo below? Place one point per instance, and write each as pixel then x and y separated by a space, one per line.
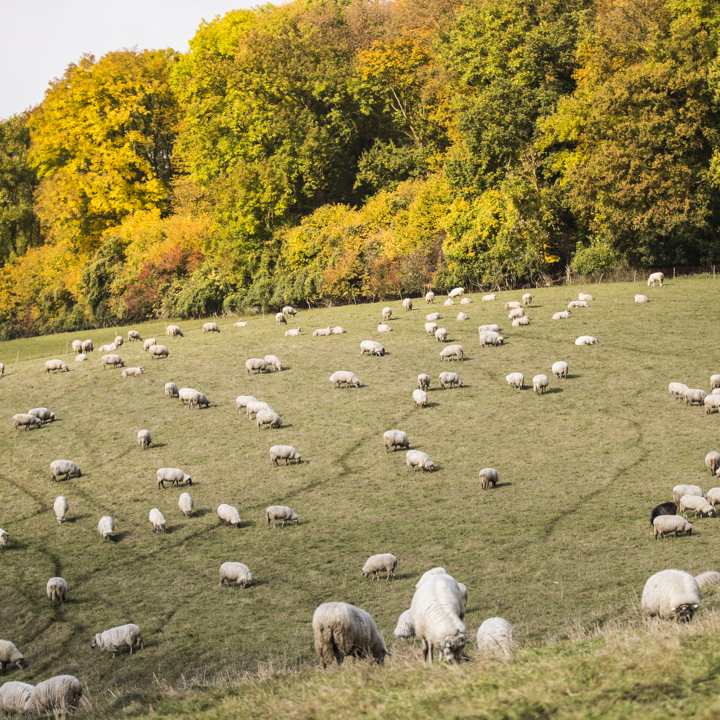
pixel 95 642
pixel 21 663
pixel 685 612
pixel 452 645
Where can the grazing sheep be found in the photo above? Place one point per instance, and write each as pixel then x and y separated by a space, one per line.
pixel 586 340
pixel 521 321
pixel 284 452
pixel 708 578
pixel 229 514
pixel 656 277
pixel 376 563
pixel 118 341
pixel 450 379
pixel 55 696
pixel 404 627
pixel 186 395
pixel 117 638
pixel 199 399
pixel 423 381
pixel 257 364
pixel 144 439
pixel 275 513
pixel 452 352
pixel 713 496
pixel 322 332
pixel 432 316
pixel 712 402
pixel 171 390
pixel 516 380
pixel 516 313
pixel 114 360
pixel 158 351
pixel 488 298
pixel 56 590
pixel 585 296
pixel 436 612
pixel 456 292
pixel 641 299
pixel 441 335
pixel 79 358
pixel 466 301
pixel 106 527
pixel 293 331
pixel 370 347
pixel 488 477
pixel 564 315
pixel 174 476
pixel 9 654
pixel 26 420
pixel 280 318
pixel 680 490
pixel 386 313
pixel 209 327
pixel 4 539
pixel 488 337
pixel 540 383
pixel 495 637
pixel 255 406
pixel 273 361
pixel 512 305
pixel 186 504
pixel 527 298
pixel 289 310
pixel 394 439
pixel 668 508
pixel 419 397
pixel 461 316
pixel 714 382
pixel 677 390
pixel 133 371
pixel 268 417
pixel 671 594
pixel 560 369
pixel 382 327
pixel 61 507
pixel 448 302
pixel 712 461
pixel 157 520
pixel 429 297
pixel 64 467
pixel 174 331
pixel 337 330
pixel 42 414
pixel 87 346
pixel 431 328
pixel 418 459
pixel 343 377
pixel 241 401
pixel 575 304
pixel 430 573
pixel 407 304
pixel 342 630
pixel 77 346
pixel 235 572
pixel 694 395
pixel 60 365
pixel 14 696
pixel 699 505
pixel 670 525
pixel 148 344
pixel 133 335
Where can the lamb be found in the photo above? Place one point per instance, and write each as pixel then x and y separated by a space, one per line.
pixel 431 328
pixel 133 371
pixel 61 507
pixel 436 611
pixel 386 313
pixel 419 397
pixel 374 564
pixel 209 327
pixel 171 390
pixel 87 346
pixel 680 490
pixel 461 316
pixel 9 654
pixel 289 310
pixel 274 362
pixel 26 420
pixel 407 304
pixel 284 452
pixel 429 297
pixel 695 395
pixel 343 630
pixel 42 414
pixel 82 357
pixel 449 302
pixel 586 340
pixel 495 637
pixel 321 332
pixel 670 525
pixel 292 332
pixel 698 504
pixel 148 344
pixel 158 351
pixel 488 298
pixel 174 476
pixel 56 365
pixel 564 315
pixel 229 514
pixel 490 338
pixel 113 360
pixel 466 301
pixel 370 347
pixel 713 496
pixel 115 639
pixel 395 438
pixel 133 335
pixel 585 296
pixel 707 578
pixel 280 318
pixel 235 572
pixel 432 316
pixel 106 527
pixel 56 590
pixel 513 305
pixel 55 696
pixel 488 477
pixel 186 504
pixel 240 324
pixel 677 390
pixel 712 402
pixel 64 467
pixel 540 383
pixel 157 520
pixel 275 513
pixel 14 696
pixel 173 331
pixel 516 313
pixel 560 369
pixel 671 594
pixel 712 461
pixel 343 377
pixel 417 459
pixel 382 327
pixel 241 401
pixel 404 627
pixel 423 381
pixel 527 298
pixel 516 380
pixel 574 304
pixel 441 335
pixel 452 352
pixel 257 365
pixel 656 277
pixel 268 417
pixel 450 379
pixel 77 346
pixel 199 399
pixel 521 321
pixel 456 292
pixel 668 508
pixel 4 539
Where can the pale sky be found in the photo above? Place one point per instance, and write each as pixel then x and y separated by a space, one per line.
pixel 40 38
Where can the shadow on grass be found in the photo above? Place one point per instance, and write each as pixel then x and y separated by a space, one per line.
pixel 201 513
pixel 432 404
pixel 75 518
pixel 120 535
pixel 553 390
pixel 503 484
pixel 573 377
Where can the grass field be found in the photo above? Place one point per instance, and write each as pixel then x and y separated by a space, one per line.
pixel 562 543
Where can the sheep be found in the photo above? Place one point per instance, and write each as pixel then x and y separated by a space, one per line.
pixel 186 395
pixel 133 371
pixel 671 594
pixel 9 654
pixel 512 305
pixel 431 328
pixel 240 323
pixel 419 398
pixel 418 459
pixel 374 564
pixel 707 578
pixel 173 331
pixel 394 439
pixel 575 304
pixel 448 302
pixel 42 413
pixel 490 338
pixel 370 347
pixel 4 539
pixel 712 461
pixel 586 340
pixel 209 327
pixel 668 508
pixel 229 514
pixel 113 361
pixel 268 417
pixel 516 380
pixel 386 313
pixel 698 504
pixel 171 390
pixel 255 406
pixel 106 527
pixel 677 390
pixel 108 348
pixel 466 301
pixel 199 399
pixel 429 297
pixel 322 332
pixel 2 369
pixel 186 504
pixel 241 401
pixel 430 573
pixel 495 637
pixel 641 299
pixel 713 496
pixel 82 357
pixel 158 351
pixel 423 381
pixel 60 365
pixel 585 296
pixel 712 402
pixel 540 383
pixel 436 611
pixel 55 696
pixel 407 304
pixel 527 298
pixel 280 318
pixel 382 327
pixel 157 520
pixel 148 344
pixel 26 420
pixel 488 298
pixel 14 696
pixel 404 627
pixel 452 352
pixel 670 525
pixel 680 490
pixel 343 377
pixel 289 310
pixel 521 321
pixel 337 330
pixel 292 332
pixel 456 292
pixel 450 379
pixel 432 317
pixel 656 277
pixel 174 476
pixel 115 639
pixel 61 507
pixel 87 346
pixel 560 369
pixel 461 316
pixel 516 313
pixel 714 382
pixel 564 315
pixel 56 590
pixel 488 477
pixel 275 513
pixel 343 630
pixel 441 335
pixel 694 395
pixel 77 346
pixel 235 572
pixel 256 364
pixel 64 467
pixel 284 452
pixel 273 361
pixel 133 335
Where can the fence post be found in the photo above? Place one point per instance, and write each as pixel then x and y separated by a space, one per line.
pixel 713 272
pixel 601 277
pixel 634 275
pixel 673 273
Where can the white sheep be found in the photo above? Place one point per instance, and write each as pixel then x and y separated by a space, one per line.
pixel 452 352
pixel 395 438
pixel 289 310
pixel 407 304
pixel 382 327
pixel 670 525
pixel 42 414
pixel 64 467
pixel 462 316
pixel 423 381
pixel 671 594
pixel 431 328
pixel 488 298
pixel 257 365
pixel 488 337
pixel 77 346
pixel 521 321
pixel 656 277
pixel 56 365
pixel 432 316
pixel 284 452
pixel 586 340
pixel 133 335
pixel 386 313
pixel 87 346
pixel 158 351
pixel 174 476
pixel 456 292
pixel 714 382
pixel 108 348
pixel 712 402
pixel 700 505
pixel 273 361
pixel 374 564
pixel 255 406
pixel 370 347
pixel 564 315
pixel 171 390
pixel 677 389
pixel 527 298
pixel 441 335
pixel 495 637
pixel 229 514
pixel 26 420
pixel 343 377
pixel 430 573
pixel 540 383
pixel 106 527
pixel 9 654
pixel 419 397
pixel 56 590
pixel 450 379
pixel 516 313
pixel 147 344
pixel 641 299
pixel 133 371
pixel 4 539
pixel 449 302
pixel 117 638
pixel 268 417
pixel 241 401
pixel 82 357
pixel 560 369
pixel 275 513
pixel 575 304
pixel 186 395
pixel 199 399
pixel 585 296
pixel 488 477
pixel 235 572
pixel 515 380
pixel 157 520
pixel 292 332
pixel 708 578
pixel 2 369
pixel 173 331
pixel 322 332
pixel 61 507
pixel 680 490
pixel 240 323
pixel 466 301
pixel 280 318
pixel 118 341
pixel 512 305
pixel 55 696
pixel 210 327
pixel 337 330
pixel 114 360
pixel 418 459
pixel 14 696
pixel 342 630
pixel 186 504
pixel 404 627
pixel 694 395
pixel 429 297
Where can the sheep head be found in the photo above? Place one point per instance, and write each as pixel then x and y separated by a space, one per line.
pixel 684 612
pixel 452 645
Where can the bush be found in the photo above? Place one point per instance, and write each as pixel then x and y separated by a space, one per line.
pixel 599 257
